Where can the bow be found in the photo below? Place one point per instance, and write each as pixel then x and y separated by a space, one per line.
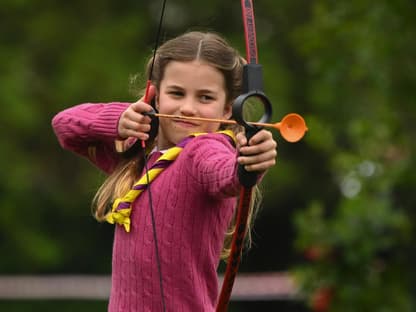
pixel 252 87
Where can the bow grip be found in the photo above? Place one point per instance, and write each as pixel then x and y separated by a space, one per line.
pixel 248 178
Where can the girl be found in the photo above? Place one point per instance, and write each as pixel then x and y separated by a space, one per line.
pixel 193 199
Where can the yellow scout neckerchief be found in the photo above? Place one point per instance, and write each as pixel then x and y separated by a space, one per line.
pixel 121 210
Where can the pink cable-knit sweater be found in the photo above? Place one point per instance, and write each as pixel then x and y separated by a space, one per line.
pixel 193 200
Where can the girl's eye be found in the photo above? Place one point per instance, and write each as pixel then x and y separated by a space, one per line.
pixel 176 93
pixel 206 98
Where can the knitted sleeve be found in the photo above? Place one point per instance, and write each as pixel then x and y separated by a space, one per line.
pixel 212 163
pixel 89 130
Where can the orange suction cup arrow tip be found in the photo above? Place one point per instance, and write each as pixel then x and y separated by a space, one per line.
pixel 292 127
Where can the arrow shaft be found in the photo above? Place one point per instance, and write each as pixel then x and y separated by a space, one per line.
pixel 223 121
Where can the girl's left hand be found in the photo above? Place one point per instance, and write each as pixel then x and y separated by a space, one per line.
pixel 260 152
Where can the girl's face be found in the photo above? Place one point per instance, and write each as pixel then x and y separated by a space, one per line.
pixel 193 89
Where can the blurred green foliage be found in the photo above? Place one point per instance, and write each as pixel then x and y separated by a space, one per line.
pixel 347 188
pixel 361 72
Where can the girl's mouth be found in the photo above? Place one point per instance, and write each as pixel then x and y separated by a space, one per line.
pixel 184 123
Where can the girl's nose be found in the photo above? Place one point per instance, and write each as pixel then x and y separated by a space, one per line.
pixel 187 107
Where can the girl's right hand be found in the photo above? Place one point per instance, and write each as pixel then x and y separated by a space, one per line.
pixel 133 123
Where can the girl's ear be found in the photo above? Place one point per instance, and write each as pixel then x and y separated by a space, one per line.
pixel 156 100
pixel 228 111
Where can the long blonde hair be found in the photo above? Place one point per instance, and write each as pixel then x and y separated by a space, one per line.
pixel 206 47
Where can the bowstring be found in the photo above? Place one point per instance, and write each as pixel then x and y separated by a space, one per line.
pixel 146 167
pixel 152 214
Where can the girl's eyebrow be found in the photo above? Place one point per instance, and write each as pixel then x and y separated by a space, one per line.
pixel 173 86
pixel 207 91
pixel 178 87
